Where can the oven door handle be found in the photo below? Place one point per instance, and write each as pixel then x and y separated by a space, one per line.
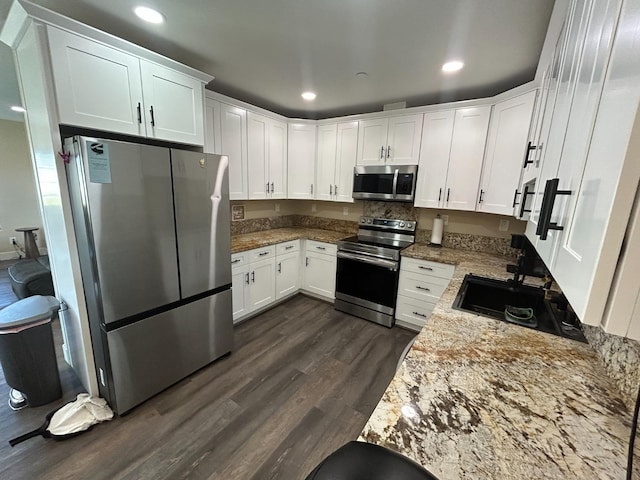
pixel 391 265
pixel 395 182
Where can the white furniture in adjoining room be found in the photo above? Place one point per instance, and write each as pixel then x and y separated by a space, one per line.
pixel 420 287
pixel 301 159
pixel 391 140
pixel 451 156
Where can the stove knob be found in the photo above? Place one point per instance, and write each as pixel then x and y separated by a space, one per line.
pixel 369 221
pixel 402 224
pixel 409 225
pixel 363 220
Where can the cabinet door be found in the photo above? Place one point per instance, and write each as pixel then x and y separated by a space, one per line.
pixel 437 132
pixel 326 162
pixel 301 160
pixel 257 155
pixel 277 174
pixel 403 140
pixel 240 281
pixel 465 162
pixel 320 274
pixel 263 285
pixel 174 104
pixel 287 274
pixel 212 134
pixel 233 144
pixel 508 133
pixel 372 142
pixel 346 149
pixel 96 86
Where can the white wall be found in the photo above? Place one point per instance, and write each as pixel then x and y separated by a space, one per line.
pixel 19 206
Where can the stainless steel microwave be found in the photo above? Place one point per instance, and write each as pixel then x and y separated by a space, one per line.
pixel 391 183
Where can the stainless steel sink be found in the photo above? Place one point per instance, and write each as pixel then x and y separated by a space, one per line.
pixel 490 297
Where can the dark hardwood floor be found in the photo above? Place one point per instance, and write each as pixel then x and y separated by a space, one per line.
pixel 302 380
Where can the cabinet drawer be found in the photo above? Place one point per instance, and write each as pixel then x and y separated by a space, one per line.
pixel 421 287
pixel 239 259
pixel 425 267
pixel 288 247
pixel 321 247
pixel 262 253
pixel 412 311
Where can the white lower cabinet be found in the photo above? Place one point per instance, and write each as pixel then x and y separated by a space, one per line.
pixel 320 269
pixel 421 285
pixel 287 268
pixel 240 283
pixel 253 283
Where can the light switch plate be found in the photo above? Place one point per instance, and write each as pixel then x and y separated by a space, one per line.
pixel 504 225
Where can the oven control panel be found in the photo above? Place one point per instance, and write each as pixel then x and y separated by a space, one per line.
pixel 388 224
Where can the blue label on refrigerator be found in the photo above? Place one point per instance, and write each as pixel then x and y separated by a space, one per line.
pixel 99 163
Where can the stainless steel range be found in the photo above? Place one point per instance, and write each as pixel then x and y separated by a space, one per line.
pixel 369 267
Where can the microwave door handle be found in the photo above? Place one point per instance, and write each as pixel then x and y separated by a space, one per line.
pixel 395 182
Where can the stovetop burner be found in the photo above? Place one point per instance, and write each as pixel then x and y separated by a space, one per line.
pixel 380 237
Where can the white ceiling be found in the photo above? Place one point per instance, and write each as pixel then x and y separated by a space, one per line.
pixel 266 52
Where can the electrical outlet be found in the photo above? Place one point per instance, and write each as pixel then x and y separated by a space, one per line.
pixel 314 208
pixel 504 225
pixel 445 219
pixel 277 207
pixel 12 241
pixel 345 211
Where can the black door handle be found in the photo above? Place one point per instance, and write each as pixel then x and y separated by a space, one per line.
pixel 546 210
pixel 526 154
pixel 153 119
pixel 139 113
pixel 515 196
pixel 523 202
pixel 481 195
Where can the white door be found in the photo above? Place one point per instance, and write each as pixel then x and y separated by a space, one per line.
pixel 320 274
pixel 287 274
pixel 301 160
pixel 346 151
pixel 96 86
pixel 437 132
pixel 174 104
pixel 465 161
pixel 507 140
pixel 372 142
pixel 233 144
pixel 277 173
pixel 212 134
pixel 263 286
pixel 240 300
pixel 257 155
pixel 403 140
pixel 326 161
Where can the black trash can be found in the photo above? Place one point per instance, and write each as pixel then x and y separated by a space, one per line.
pixel 27 353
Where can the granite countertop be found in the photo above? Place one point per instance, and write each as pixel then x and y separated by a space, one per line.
pixel 249 241
pixel 478 398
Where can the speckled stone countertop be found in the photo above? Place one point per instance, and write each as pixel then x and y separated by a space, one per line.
pixel 477 398
pixel 249 241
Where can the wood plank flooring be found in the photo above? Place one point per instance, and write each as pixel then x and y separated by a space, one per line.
pixel 302 380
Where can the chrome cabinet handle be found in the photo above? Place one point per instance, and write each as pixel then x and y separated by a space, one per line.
pixel 421 267
pixel 381 152
pixel 423 288
pixel 420 314
pixel 280 267
pixel 153 119
pixel 247 278
pixel 546 210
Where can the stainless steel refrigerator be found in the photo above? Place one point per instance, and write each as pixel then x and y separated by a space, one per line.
pixel 153 232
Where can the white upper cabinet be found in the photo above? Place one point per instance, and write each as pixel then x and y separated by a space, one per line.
pixel 504 158
pixel 104 88
pixel 326 161
pixel 212 134
pixel 392 140
pixel 346 150
pixel 451 158
pixel 267 157
pixel 301 160
pixel 96 86
pixel 233 144
pixel 437 133
pixel 174 104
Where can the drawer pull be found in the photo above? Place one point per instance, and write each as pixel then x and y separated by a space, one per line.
pixel 288 247
pixel 423 288
pixel 236 260
pixel 321 248
pixel 420 314
pixel 263 254
pixel 421 267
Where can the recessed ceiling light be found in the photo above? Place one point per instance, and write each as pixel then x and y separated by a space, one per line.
pixel 149 14
pixel 453 66
pixel 17 108
pixel 309 96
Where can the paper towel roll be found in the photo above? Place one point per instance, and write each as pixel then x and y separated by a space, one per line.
pixel 436 231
